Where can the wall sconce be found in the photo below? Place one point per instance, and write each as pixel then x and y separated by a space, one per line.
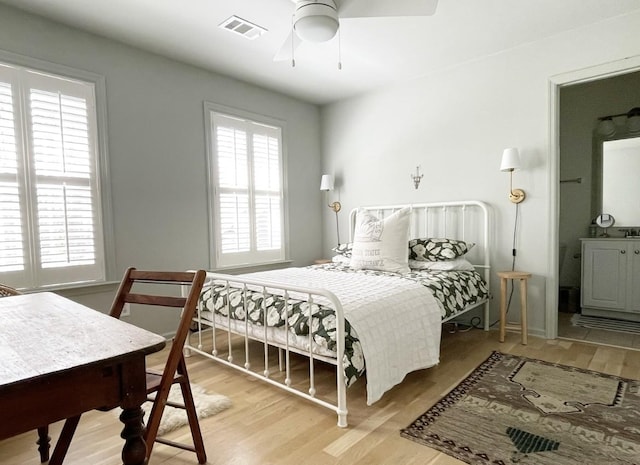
pixel 633 119
pixel 417 177
pixel 511 162
pixel 607 127
pixel 326 184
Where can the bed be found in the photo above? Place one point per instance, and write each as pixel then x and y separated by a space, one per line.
pixel 377 308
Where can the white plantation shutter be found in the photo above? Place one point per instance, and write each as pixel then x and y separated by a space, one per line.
pixel 266 160
pixel 247 191
pixel 12 248
pixel 49 185
pixel 233 179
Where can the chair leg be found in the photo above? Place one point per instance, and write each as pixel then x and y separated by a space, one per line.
pixel 159 404
pixel 43 443
pixel 153 422
pixel 62 446
pixel 192 415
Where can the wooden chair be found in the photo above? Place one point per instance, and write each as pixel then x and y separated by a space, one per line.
pixel 43 431
pixel 175 368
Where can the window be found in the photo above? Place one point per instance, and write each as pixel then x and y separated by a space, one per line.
pixel 245 190
pixel 50 210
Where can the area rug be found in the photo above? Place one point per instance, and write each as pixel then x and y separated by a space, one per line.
pixel 207 404
pixel 609 324
pixel 517 410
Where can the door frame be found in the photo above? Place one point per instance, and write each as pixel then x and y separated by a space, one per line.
pixel 556 82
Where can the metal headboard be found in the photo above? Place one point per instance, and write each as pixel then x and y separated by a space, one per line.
pixel 462 220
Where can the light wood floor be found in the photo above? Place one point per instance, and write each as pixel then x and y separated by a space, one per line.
pixel 267 426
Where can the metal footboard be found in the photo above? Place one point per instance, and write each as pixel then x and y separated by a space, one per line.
pixel 222 348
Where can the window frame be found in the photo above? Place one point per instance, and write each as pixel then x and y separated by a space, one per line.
pixel 215 261
pixel 105 218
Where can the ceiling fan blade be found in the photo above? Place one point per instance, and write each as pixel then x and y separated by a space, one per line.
pixel 381 8
pixel 286 50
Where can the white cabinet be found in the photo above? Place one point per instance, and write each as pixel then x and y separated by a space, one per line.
pixel 611 278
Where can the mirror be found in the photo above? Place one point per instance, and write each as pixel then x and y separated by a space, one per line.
pixel 615 169
pixel 620 185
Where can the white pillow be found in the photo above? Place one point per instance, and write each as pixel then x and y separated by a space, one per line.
pixel 457 264
pixel 381 244
pixel 341 259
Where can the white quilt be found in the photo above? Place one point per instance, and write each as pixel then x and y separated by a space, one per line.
pixel 398 322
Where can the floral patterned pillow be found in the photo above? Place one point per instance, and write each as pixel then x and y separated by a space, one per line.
pixel 437 249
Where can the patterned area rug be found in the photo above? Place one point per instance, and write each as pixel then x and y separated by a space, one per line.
pixel 517 410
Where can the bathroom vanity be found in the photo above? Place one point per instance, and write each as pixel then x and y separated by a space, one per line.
pixel 611 277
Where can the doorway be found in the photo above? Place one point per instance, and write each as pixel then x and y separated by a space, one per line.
pixel 581 98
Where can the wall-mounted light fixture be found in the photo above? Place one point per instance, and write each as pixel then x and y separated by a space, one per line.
pixel 607 126
pixel 511 162
pixel 326 184
pixel 417 177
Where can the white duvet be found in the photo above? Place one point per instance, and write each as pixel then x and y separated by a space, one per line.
pixel 398 322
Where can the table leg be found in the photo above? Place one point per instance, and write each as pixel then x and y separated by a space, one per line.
pixel 503 308
pixel 134 451
pixel 523 310
pixel 44 443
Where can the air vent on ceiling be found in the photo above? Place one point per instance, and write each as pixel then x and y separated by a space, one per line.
pixel 243 27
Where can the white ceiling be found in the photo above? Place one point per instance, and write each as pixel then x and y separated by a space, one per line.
pixel 375 51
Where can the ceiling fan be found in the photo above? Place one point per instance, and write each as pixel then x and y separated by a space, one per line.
pixel 319 20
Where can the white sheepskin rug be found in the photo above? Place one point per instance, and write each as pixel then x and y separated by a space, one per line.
pixel 173 418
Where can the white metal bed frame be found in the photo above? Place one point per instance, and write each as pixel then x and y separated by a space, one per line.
pixel 462 220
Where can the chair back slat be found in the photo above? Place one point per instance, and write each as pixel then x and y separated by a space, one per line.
pixel 161 300
pixel 176 277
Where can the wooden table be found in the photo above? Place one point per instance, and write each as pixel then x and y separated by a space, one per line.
pixel 60 359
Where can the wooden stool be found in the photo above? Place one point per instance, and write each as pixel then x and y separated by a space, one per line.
pixel 523 276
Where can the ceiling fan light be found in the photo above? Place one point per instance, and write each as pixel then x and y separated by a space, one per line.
pixel 316 28
pixel 316 22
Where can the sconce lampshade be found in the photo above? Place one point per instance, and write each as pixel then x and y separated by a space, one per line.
pixel 606 127
pixel 633 120
pixel 510 159
pixel 326 183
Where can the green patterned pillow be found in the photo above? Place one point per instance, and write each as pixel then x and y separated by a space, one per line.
pixel 437 249
pixel 344 249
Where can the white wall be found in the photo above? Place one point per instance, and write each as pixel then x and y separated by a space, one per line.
pixel 156 144
pixel 455 123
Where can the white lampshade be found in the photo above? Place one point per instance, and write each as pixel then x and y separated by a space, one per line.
pixel 606 127
pixel 510 159
pixel 326 183
pixel 633 120
pixel 315 21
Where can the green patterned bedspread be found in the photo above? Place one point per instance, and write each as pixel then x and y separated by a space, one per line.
pixel 453 290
